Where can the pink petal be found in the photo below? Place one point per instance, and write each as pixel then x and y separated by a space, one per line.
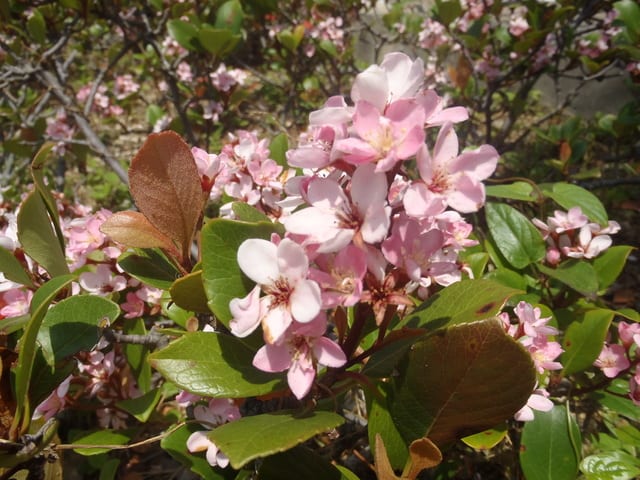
pixel 292 260
pixel 420 202
pixel 468 195
pixel 479 163
pixel 246 313
pixel 404 76
pixel 275 323
pixel 425 163
pixel 300 379
pixel 272 358
pixel 368 187
pixel 328 352
pixel 446 148
pixel 258 260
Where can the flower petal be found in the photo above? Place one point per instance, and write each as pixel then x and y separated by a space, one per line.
pixel 258 260
pixel 272 358
pixel 305 301
pixel 246 313
pixel 328 352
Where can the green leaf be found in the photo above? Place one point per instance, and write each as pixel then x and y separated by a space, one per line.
pixel 27 352
pixel 176 445
pixel 74 325
pixel 380 422
pixel 629 13
pixel 247 213
pixel 104 438
pixel 299 462
pixel 507 277
pixel 137 354
pixel 37 236
pixel 448 387
pixel 584 339
pixel 515 191
pixel 223 279
pixel 230 16
pixel 448 11
pixel 609 264
pixel 568 196
pixel 615 465
pixel 262 435
pixel 141 407
pixel 461 302
pixel 225 371
pixel 37 27
pixel 150 266
pixel 576 274
pixel 278 149
pixel 12 269
pixel 37 173
pixel 384 360
pixel 548 446
pixel 487 439
pixel 514 235
pixel 188 293
pixel 109 469
pixel 184 33
pixel 217 41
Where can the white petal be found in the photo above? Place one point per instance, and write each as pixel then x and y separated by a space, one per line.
pixel 305 301
pixel 292 260
pixel 198 442
pixel 372 86
pixel 258 260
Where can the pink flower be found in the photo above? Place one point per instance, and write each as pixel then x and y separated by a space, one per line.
pixel 533 326
pixel 634 387
pixel 518 23
pixel 200 442
pixel 55 402
pixel 299 351
pixel 280 271
pixel 102 281
pixel 133 306
pixel 629 334
pixel 332 220
pixel 341 276
pixel 543 353
pixel 435 113
pixel 384 139
pixel 539 400
pixel 449 178
pixel 612 360
pixel 16 302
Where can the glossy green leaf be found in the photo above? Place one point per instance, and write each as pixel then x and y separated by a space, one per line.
pixel 223 279
pixel 188 293
pixel 461 302
pixel 143 406
pixel 577 274
pixel 150 266
pixel 184 33
pixel 213 365
pixel 103 438
pixel 74 325
pixel 507 277
pixel 615 465
pixel 487 439
pixel 548 446
pixel 568 195
pixel 629 13
pixel 299 462
pixel 515 191
pixel 278 149
pixel 247 213
pixel 609 264
pixel 517 239
pixel 618 403
pixel 584 340
pixel 462 394
pixel 381 423
pixel 12 269
pixel 37 236
pixel 249 438
pixel 230 16
pixel 40 302
pixel 175 444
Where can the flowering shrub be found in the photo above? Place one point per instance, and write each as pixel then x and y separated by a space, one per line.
pixel 357 304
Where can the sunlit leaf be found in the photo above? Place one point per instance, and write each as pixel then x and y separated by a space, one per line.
pixel 134 230
pixel 258 436
pixel 12 269
pixel 568 196
pixel 188 293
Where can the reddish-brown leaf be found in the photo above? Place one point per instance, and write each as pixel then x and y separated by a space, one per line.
pixel 166 187
pixel 134 230
pixel 423 454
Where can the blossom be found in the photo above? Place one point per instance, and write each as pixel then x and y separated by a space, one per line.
pixel 298 352
pixel 612 360
pixel 448 178
pixel 16 302
pixel 280 271
pixel 55 402
pixel 341 276
pixel 332 219
pixel 629 334
pixel 538 400
pixel 102 281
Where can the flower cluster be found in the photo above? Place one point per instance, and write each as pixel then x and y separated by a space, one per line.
pixel 617 358
pixel 535 335
pixel 372 228
pixel 571 235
